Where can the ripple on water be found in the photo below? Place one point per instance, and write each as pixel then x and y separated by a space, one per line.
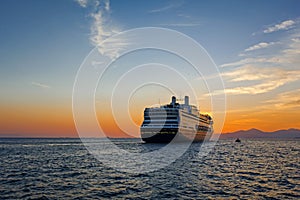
pixel 63 168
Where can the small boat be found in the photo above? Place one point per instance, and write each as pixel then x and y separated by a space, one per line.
pixel 237 140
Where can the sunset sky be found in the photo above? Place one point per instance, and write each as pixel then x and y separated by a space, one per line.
pixel 255 45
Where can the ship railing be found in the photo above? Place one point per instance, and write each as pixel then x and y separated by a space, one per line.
pixel 160 120
pixel 159 126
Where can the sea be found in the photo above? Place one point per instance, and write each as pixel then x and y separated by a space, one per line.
pixel 64 169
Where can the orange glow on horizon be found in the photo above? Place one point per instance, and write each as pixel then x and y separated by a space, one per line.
pixel 57 121
pixel 36 121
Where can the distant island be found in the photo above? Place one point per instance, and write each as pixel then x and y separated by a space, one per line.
pixel 255 133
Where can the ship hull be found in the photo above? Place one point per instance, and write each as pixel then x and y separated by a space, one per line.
pixel 159 138
pixel 167 137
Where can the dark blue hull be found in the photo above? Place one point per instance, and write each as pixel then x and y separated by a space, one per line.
pixel 173 135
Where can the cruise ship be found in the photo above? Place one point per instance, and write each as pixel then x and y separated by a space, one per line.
pixel 181 122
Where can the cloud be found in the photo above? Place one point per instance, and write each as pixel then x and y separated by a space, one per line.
pixel 251 73
pixel 184 16
pixel 167 7
pixel 263 79
pixel 286 53
pixel 107 5
pixel 259 46
pixel 250 60
pixel 281 26
pixel 274 67
pixel 40 85
pixel 267 84
pixel 102 28
pixel 290 99
pixel 161 9
pixel 82 3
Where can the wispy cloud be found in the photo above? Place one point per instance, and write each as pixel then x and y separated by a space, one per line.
pixel 250 60
pixel 167 7
pixel 281 26
pixel 102 28
pixel 82 3
pixel 264 79
pixel 184 16
pixel 260 45
pixel 40 85
pixel 286 100
pixel 257 74
pixel 286 54
pixel 251 73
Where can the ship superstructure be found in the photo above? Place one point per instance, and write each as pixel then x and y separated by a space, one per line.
pixel 162 124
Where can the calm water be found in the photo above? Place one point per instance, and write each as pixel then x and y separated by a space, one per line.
pixel 63 168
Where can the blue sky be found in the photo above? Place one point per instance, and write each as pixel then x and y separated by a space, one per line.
pixel 254 43
pixel 60 29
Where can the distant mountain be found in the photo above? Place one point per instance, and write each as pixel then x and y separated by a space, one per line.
pixel 255 133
